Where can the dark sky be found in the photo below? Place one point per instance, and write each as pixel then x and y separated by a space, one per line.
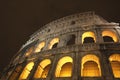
pixel 21 18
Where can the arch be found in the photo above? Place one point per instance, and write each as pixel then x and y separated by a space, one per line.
pixel 90 66
pixel 26 71
pixel 29 51
pixel 71 40
pixel 55 45
pixel 40 47
pixel 54 42
pixel 115 64
pixel 64 67
pixel 88 37
pixel 109 36
pixel 43 69
pixel 16 73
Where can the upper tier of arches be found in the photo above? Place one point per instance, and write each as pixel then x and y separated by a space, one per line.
pixel 106 36
pixel 81 20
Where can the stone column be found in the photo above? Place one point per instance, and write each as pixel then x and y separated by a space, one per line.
pixel 79 65
pixel 11 72
pixel 79 37
pixel 106 70
pixel 51 74
pixel 32 72
pixel 99 37
pixel 75 72
pixel 118 34
pixel 61 41
pixel 23 66
pixel 46 45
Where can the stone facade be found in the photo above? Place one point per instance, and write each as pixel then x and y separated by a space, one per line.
pixel 66 29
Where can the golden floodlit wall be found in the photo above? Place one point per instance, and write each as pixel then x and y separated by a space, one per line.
pixel 26 71
pixel 110 34
pixel 81 46
pixel 90 66
pixel 64 67
pixel 42 69
pixel 115 64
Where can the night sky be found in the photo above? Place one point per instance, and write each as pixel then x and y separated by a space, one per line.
pixel 21 18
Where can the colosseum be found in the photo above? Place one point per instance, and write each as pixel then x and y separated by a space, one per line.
pixel 81 46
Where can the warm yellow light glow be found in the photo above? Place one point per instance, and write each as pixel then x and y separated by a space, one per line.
pixel 26 71
pixel 55 40
pixel 29 51
pixel 39 47
pixel 115 57
pixel 90 69
pixel 90 66
pixel 115 64
pixel 64 67
pixel 43 69
pixel 88 34
pixel 66 70
pixel 110 34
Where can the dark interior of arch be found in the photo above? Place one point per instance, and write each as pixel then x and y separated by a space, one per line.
pixel 55 45
pixel 108 39
pixel 71 40
pixel 42 48
pixel 89 40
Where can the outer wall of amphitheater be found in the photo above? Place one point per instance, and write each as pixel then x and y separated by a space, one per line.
pixel 81 46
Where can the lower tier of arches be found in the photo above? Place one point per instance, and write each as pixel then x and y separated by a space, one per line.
pixel 70 66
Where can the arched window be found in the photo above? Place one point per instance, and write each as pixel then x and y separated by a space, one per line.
pixel 40 47
pixel 15 73
pixel 115 64
pixel 43 69
pixel 64 67
pixel 90 66
pixel 54 42
pixel 71 40
pixel 29 51
pixel 26 71
pixel 88 37
pixel 109 36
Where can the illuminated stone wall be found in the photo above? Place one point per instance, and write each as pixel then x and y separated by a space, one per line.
pixel 77 47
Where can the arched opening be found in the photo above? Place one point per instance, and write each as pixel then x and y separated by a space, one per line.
pixel 43 69
pixel 55 45
pixel 88 37
pixel 29 51
pixel 54 42
pixel 89 40
pixel 115 64
pixel 45 72
pixel 71 40
pixel 26 71
pixel 109 36
pixel 40 47
pixel 108 39
pixel 15 73
pixel 64 67
pixel 90 66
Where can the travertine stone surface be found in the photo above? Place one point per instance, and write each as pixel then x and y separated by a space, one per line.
pixel 66 28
